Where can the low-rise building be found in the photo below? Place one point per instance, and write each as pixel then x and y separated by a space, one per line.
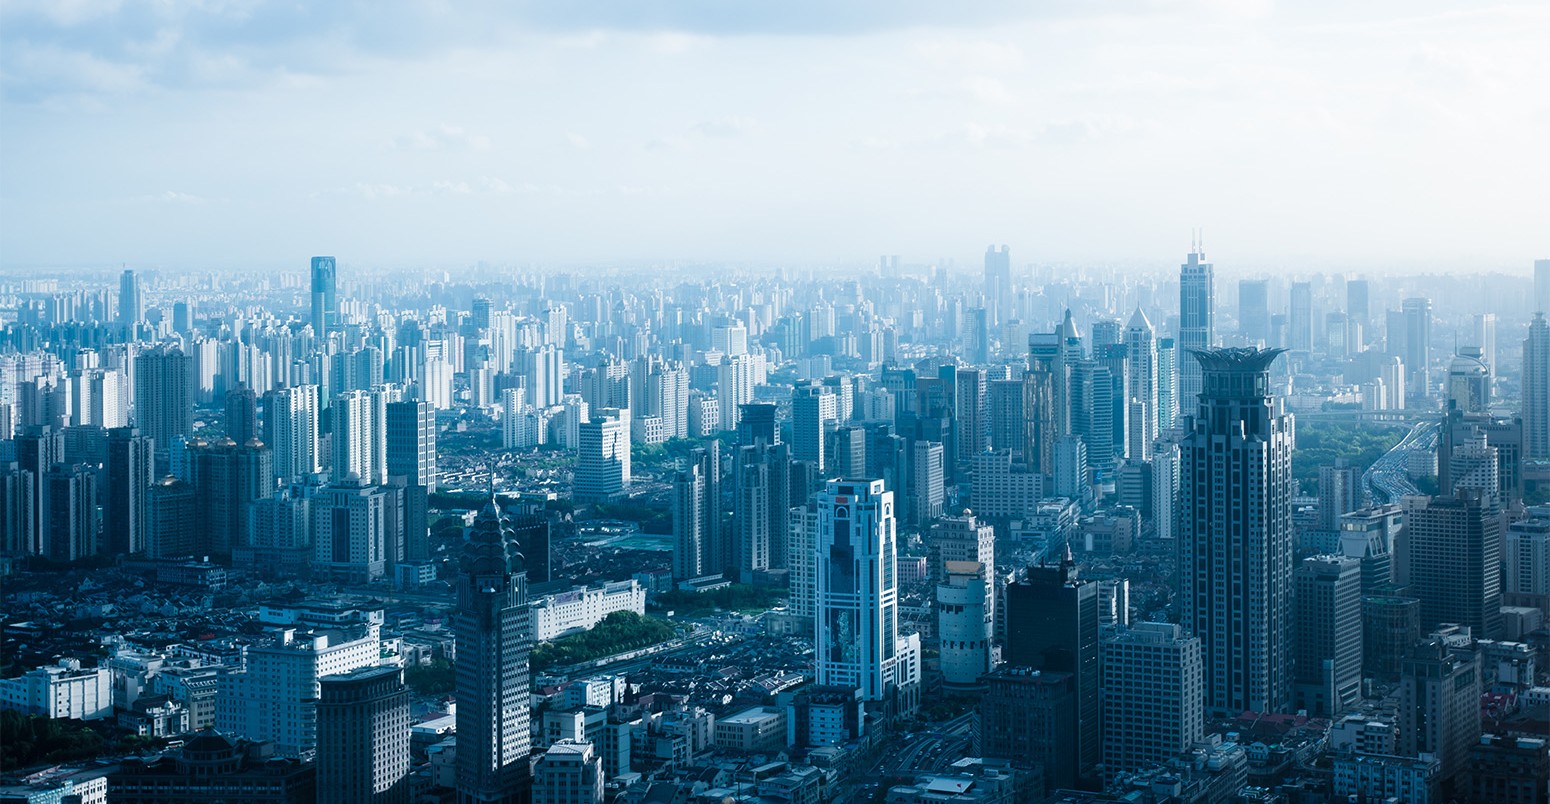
pixel 63 690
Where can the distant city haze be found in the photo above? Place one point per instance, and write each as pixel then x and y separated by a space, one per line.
pixel 1301 136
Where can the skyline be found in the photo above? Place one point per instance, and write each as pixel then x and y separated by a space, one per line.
pixel 1386 138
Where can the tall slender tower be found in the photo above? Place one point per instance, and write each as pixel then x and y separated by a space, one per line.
pixel 494 636
pixel 1536 388
pixel 1197 323
pixel 697 543
pixel 325 302
pixel 1141 351
pixel 998 283
pixel 1235 532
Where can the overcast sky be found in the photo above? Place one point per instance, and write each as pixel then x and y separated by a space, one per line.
pixel 217 133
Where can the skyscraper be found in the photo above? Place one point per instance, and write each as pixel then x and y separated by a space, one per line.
pixel 1453 550
pixel 1254 310
pixel 998 283
pixel 291 430
pixel 1417 352
pixel 494 636
pixel 1197 323
pixel 697 542
pixel 1141 354
pixel 242 414
pixel 761 478
pixel 1439 711
pixel 129 474
pixel 1052 626
pixel 164 396
pixel 1167 384
pixel 1542 286
pixel 814 411
pixel 325 303
pixel 1357 302
pixel 411 443
pixel 1536 385
pixel 1327 655
pixel 856 626
pixel 1235 532
pixel 603 459
pixel 363 737
pixel 359 439
pixel 1152 702
pixel 1300 317
pixel 131 303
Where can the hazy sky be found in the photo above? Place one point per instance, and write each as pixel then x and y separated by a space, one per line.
pixel 244 132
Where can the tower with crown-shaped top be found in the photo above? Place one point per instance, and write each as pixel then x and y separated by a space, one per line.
pixel 494 637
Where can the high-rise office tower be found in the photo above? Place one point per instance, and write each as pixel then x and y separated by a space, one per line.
pixel 965 622
pixel 1235 532
pixel 927 492
pixel 242 414
pixel 1453 550
pixel 1467 385
pixel 856 589
pixel 325 302
pixel 758 424
pixel 1091 392
pixel 171 519
pixel 697 541
pixel 1357 302
pixel 39 448
pixel 1542 286
pixel 164 396
pixel 1052 626
pixel 129 473
pixel 1339 493
pixel 1368 535
pixel 802 553
pixel 1536 387
pixel 736 378
pixel 1300 317
pixel 356 530
pixel 1327 655
pixel 1526 558
pixel 1254 310
pixel 1141 362
pixel 359 439
pixel 1417 345
pixel 1025 716
pixel 971 412
pixel 761 479
pixel 131 301
pixel 998 283
pixel 411 442
pixel 1485 338
pixel 291 430
pixel 814 411
pixel 70 519
pixel 494 637
pixel 230 477
pixel 1439 711
pixel 603 460
pixel 1153 708
pixel 1197 324
pixel 1167 384
pixel 363 737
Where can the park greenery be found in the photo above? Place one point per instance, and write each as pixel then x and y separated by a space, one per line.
pixel 736 597
pixel 1320 443
pixel 433 678
pixel 618 632
pixel 35 740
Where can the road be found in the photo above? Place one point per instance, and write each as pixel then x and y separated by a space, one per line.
pixel 1388 479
